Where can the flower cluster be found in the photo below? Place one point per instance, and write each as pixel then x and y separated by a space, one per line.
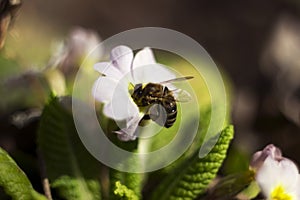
pixel 117 81
pixel 277 176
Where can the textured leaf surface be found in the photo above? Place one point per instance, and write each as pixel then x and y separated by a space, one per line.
pixel 132 181
pixel 122 192
pixel 70 168
pixel 14 181
pixel 70 188
pixel 192 177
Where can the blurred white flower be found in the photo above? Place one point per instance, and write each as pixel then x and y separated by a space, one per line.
pixel 277 176
pixel 79 44
pixel 281 64
pixel 115 85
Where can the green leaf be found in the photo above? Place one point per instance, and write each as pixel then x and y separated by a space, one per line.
pixel 192 177
pixel 132 181
pixel 160 175
pixel 228 187
pixel 122 192
pixel 69 166
pixel 237 160
pixel 251 191
pixel 69 187
pixel 14 181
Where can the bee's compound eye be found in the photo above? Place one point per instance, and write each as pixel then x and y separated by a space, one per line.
pixel 138 91
pixel 137 87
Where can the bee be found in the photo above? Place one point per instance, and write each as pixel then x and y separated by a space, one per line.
pixel 160 101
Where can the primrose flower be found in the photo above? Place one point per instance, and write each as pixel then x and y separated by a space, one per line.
pixel 277 176
pixel 116 84
pixel 70 53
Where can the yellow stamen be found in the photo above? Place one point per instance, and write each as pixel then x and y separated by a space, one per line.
pixel 130 88
pixel 279 194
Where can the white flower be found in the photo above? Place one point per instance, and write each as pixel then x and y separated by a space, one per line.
pixel 277 176
pixel 118 78
pixel 68 55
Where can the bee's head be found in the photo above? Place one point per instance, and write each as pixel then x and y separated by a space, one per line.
pixel 137 92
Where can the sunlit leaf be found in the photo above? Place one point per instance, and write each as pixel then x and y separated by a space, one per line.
pixel 14 181
pixel 192 177
pixel 123 193
pixel 132 181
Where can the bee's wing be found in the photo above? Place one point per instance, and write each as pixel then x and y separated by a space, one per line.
pixel 158 114
pixel 177 79
pixel 181 95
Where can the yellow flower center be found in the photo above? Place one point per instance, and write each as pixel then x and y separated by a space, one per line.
pixel 279 194
pixel 130 88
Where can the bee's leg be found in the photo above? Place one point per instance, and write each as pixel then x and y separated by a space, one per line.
pixel 145 120
pixel 146 117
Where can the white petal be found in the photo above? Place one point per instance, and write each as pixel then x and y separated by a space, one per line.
pixel 108 69
pixel 265 178
pixel 121 106
pixel 269 151
pixel 121 57
pixel 144 57
pixel 298 186
pixel 273 173
pixel 103 89
pixel 289 175
pixel 130 132
pixel 145 68
pixel 154 73
pixel 122 135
